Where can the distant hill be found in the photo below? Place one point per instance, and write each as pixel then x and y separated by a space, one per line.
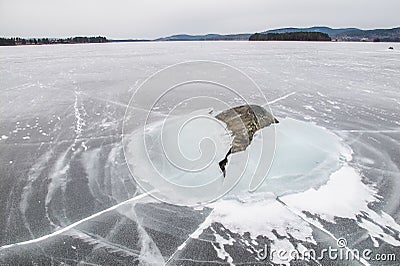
pixel 207 37
pixel 341 34
pixel 291 36
pixel 382 35
pixel 331 32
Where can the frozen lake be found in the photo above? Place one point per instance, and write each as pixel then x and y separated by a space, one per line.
pixel 67 195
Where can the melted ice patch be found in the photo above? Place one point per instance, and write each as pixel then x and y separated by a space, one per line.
pixel 305 156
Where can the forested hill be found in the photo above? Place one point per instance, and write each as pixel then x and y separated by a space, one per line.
pixel 38 41
pixel 290 36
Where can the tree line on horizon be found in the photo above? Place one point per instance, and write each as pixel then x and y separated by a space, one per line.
pixel 291 36
pixel 38 41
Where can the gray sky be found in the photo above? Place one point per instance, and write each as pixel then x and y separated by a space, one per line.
pixel 157 18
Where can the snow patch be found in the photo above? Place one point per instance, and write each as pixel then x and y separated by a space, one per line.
pixel 335 199
pixel 346 196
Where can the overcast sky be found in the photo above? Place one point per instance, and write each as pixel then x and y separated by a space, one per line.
pixel 157 18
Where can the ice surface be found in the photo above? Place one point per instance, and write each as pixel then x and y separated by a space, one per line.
pixel 70 101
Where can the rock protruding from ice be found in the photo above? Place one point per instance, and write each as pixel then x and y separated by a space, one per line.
pixel 243 122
